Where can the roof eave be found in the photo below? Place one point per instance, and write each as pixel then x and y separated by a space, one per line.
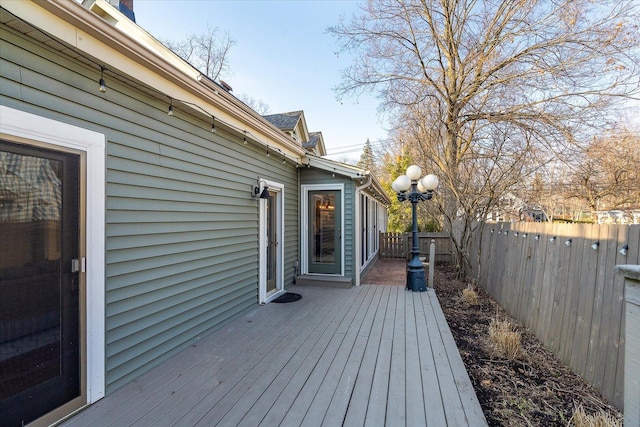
pixel 98 28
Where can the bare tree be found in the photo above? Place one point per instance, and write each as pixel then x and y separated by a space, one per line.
pixel 257 105
pixel 606 175
pixel 486 83
pixel 207 51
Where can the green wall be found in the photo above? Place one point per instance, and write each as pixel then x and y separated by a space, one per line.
pixel 181 226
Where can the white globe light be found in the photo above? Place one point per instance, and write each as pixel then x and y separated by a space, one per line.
pixel 403 182
pixel 414 172
pixel 421 187
pixel 430 182
pixel 394 186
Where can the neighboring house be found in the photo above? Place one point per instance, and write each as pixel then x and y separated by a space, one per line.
pixel 511 208
pixel 130 216
pixel 629 216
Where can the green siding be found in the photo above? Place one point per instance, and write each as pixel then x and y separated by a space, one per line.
pixel 181 226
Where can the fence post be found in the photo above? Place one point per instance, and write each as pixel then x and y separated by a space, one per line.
pixel 432 261
pixel 632 343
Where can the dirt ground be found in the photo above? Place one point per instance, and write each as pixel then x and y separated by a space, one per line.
pixel 535 389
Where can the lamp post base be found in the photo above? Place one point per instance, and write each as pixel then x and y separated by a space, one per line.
pixel 416 281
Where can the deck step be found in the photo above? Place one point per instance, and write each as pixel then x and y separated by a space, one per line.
pixel 328 281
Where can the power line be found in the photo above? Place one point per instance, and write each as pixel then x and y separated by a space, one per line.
pixel 358 147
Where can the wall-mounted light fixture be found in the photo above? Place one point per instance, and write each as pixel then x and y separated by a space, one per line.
pixel 552 239
pixel 244 140
pixel 623 250
pixel 567 242
pixel 524 235
pixel 515 234
pixel 537 237
pixel 213 124
pixel 595 245
pixel 260 191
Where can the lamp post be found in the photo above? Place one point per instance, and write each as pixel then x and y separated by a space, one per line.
pixel 411 187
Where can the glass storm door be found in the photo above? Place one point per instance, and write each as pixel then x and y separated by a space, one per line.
pixel 272 242
pixel 39 289
pixel 325 233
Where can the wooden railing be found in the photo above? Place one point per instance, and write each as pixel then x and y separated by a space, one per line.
pixel 398 245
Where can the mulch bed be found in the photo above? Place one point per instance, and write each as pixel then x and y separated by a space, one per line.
pixel 533 390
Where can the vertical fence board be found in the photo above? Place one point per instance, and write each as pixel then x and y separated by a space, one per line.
pixel 573 290
pixel 601 326
pixel 569 296
pixel 542 281
pixel 585 300
pixel 546 252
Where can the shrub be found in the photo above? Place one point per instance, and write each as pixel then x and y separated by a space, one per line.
pixel 602 419
pixel 469 297
pixel 505 340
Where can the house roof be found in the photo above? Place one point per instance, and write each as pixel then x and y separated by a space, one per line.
pixel 285 121
pixel 315 143
pixel 314 138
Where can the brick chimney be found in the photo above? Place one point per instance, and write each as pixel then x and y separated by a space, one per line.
pixel 126 7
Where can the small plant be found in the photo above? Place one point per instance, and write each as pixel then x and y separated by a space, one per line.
pixel 505 340
pixel 602 419
pixel 469 297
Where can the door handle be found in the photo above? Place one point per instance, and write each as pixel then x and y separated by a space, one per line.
pixel 78 265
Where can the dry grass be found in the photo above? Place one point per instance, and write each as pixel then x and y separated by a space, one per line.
pixel 602 419
pixel 505 340
pixel 469 297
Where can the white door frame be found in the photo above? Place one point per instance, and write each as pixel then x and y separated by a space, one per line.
pixel 304 220
pixel 263 297
pixel 19 126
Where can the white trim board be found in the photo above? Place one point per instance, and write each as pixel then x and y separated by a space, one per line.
pixel 263 297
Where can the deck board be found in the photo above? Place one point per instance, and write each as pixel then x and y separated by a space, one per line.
pixel 371 355
pixel 396 398
pixel 362 390
pixel 376 410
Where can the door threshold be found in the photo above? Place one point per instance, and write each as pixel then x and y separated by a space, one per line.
pixel 325 280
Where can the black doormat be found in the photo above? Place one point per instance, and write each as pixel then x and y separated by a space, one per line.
pixel 288 297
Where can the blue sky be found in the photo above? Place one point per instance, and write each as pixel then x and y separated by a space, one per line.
pixel 282 56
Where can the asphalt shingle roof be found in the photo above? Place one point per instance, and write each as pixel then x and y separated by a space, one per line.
pixel 284 121
pixel 314 137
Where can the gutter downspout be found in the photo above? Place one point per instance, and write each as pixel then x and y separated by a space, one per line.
pixel 358 227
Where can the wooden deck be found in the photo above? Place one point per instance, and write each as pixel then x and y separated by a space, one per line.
pixel 372 355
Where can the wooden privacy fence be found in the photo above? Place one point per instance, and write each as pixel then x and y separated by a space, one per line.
pixel 559 280
pixel 398 245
